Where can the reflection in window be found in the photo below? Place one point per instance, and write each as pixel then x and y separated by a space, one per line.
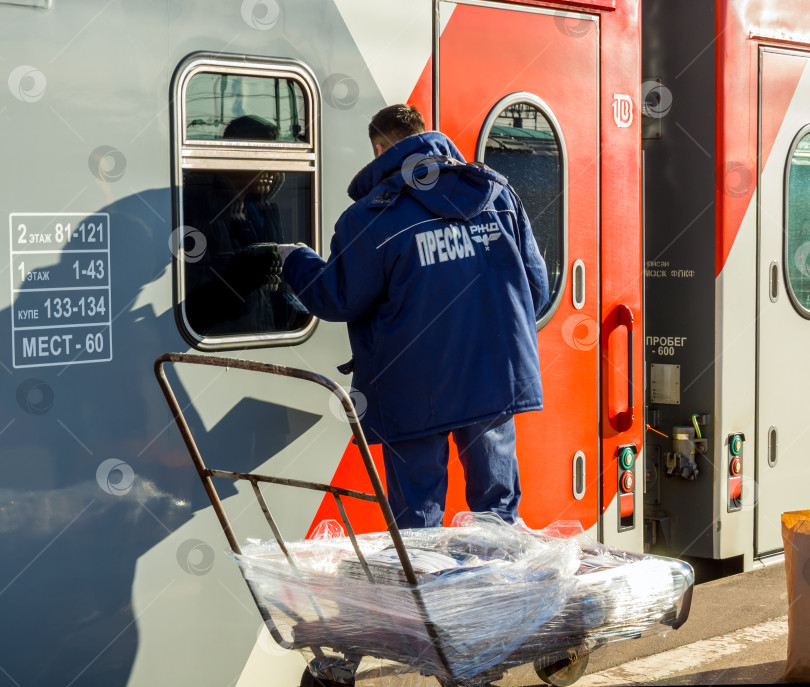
pixel 523 146
pixel 213 101
pixel 797 227
pixel 235 215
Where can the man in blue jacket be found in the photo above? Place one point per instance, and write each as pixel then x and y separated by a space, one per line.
pixel 438 275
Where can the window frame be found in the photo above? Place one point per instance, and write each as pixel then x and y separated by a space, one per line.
pixel 802 310
pixel 480 150
pixel 233 155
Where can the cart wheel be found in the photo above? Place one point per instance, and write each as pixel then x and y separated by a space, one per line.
pixel 562 673
pixel 309 680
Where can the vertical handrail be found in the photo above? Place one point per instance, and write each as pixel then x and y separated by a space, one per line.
pixel 623 419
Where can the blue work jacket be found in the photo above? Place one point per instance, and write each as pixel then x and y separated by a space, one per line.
pixel 438 275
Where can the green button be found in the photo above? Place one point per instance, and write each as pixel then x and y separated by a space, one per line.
pixel 627 458
pixel 736 445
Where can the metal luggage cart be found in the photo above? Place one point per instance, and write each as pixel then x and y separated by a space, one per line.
pixel 561 666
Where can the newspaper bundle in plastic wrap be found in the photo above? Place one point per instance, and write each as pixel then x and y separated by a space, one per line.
pixel 618 595
pixel 490 595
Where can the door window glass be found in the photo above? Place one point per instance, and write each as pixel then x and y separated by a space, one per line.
pixel 522 143
pixel 797 226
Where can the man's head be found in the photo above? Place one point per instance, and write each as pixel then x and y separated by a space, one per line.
pixel 391 124
pixel 264 184
pixel 251 128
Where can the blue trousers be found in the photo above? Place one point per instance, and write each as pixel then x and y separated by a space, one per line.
pixel 416 473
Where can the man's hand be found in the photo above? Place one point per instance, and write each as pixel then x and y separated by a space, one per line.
pixel 266 260
pixel 284 249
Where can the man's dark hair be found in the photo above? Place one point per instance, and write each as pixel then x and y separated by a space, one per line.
pixel 252 128
pixel 391 124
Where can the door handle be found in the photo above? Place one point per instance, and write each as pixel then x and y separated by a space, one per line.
pixel 773 282
pixel 622 420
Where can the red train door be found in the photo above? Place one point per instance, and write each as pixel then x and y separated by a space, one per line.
pixel 518 89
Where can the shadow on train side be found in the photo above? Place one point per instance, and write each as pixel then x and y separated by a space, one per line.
pixel 93 473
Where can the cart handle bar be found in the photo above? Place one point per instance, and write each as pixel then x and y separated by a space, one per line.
pixel 205 474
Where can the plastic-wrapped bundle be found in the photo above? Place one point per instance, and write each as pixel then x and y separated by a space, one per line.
pixel 484 589
pixel 618 595
pixel 490 596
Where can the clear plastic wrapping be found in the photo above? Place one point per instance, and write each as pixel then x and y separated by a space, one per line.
pixel 490 595
pixel 618 595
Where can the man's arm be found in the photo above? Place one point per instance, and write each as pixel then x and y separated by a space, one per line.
pixel 345 287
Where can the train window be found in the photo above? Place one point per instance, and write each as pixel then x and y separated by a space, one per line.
pixel 214 101
pixel 521 140
pixel 797 224
pixel 246 175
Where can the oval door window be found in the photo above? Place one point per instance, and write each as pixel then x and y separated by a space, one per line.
pixel 797 224
pixel 521 139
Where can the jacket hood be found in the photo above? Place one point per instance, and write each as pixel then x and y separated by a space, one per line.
pixel 433 172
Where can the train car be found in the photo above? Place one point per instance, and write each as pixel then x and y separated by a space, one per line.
pixel 725 139
pixel 122 161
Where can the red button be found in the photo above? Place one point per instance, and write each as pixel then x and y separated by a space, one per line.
pixel 627 481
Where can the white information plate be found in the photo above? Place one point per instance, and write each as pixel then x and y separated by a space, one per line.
pixel 60 288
